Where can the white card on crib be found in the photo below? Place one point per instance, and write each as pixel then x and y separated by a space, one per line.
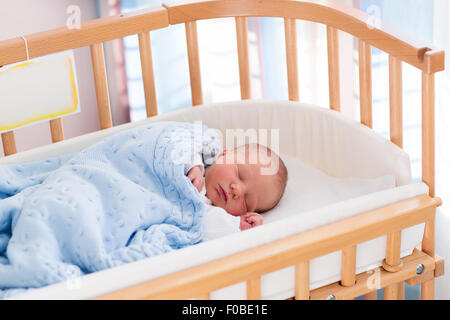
pixel 39 89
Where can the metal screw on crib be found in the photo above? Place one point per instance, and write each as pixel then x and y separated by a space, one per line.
pixel 420 268
pixel 331 297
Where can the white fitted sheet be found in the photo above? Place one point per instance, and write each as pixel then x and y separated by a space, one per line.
pixel 319 137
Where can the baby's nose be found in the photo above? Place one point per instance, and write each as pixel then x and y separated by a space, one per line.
pixel 236 190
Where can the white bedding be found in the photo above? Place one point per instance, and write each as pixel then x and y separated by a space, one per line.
pixel 309 188
pixel 332 143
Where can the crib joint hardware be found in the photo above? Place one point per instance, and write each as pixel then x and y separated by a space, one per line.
pixel 390 268
pixel 379 278
pixel 420 268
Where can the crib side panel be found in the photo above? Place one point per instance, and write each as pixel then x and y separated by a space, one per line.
pixel 295 250
pixel 336 15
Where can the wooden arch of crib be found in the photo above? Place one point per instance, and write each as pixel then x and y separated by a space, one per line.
pixel 296 250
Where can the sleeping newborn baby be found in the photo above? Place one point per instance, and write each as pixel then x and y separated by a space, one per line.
pixel 238 186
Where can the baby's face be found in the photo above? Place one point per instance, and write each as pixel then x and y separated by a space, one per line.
pixel 238 186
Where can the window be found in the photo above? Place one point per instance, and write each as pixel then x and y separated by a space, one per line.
pixel 415 18
pixel 219 63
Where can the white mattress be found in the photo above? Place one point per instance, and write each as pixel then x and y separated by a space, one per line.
pixel 323 138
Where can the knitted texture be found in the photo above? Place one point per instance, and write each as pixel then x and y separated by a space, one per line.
pixel 123 199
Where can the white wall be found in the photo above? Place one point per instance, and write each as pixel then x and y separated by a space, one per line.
pixel 22 17
pixel 442 41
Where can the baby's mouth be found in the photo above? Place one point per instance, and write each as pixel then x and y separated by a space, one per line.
pixel 223 194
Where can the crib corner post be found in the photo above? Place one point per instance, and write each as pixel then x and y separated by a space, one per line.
pixel 428 167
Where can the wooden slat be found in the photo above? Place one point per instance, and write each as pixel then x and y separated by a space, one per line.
pixel 93 31
pixel 350 20
pixel 9 143
pixel 365 83
pixel 194 63
pixel 101 85
pixel 148 77
pixel 348 266
pixel 56 130
pixel 333 68
pixel 290 31
pixel 391 292
pixel 254 289
pixel 428 131
pixel 396 101
pixel 302 281
pixel 385 279
pixel 283 253
pixel 393 248
pixel 244 66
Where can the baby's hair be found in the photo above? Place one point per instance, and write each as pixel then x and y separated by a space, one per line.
pixel 281 175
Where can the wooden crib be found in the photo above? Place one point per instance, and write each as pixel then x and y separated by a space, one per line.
pixel 421 267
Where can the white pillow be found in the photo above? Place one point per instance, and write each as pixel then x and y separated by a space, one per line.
pixel 309 188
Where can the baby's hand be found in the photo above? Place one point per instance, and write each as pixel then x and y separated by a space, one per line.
pixel 195 175
pixel 251 220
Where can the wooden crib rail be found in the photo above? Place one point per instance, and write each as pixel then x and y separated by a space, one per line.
pixel 295 250
pixel 331 13
pixel 90 32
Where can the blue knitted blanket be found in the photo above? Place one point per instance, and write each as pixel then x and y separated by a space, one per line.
pixel 120 200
